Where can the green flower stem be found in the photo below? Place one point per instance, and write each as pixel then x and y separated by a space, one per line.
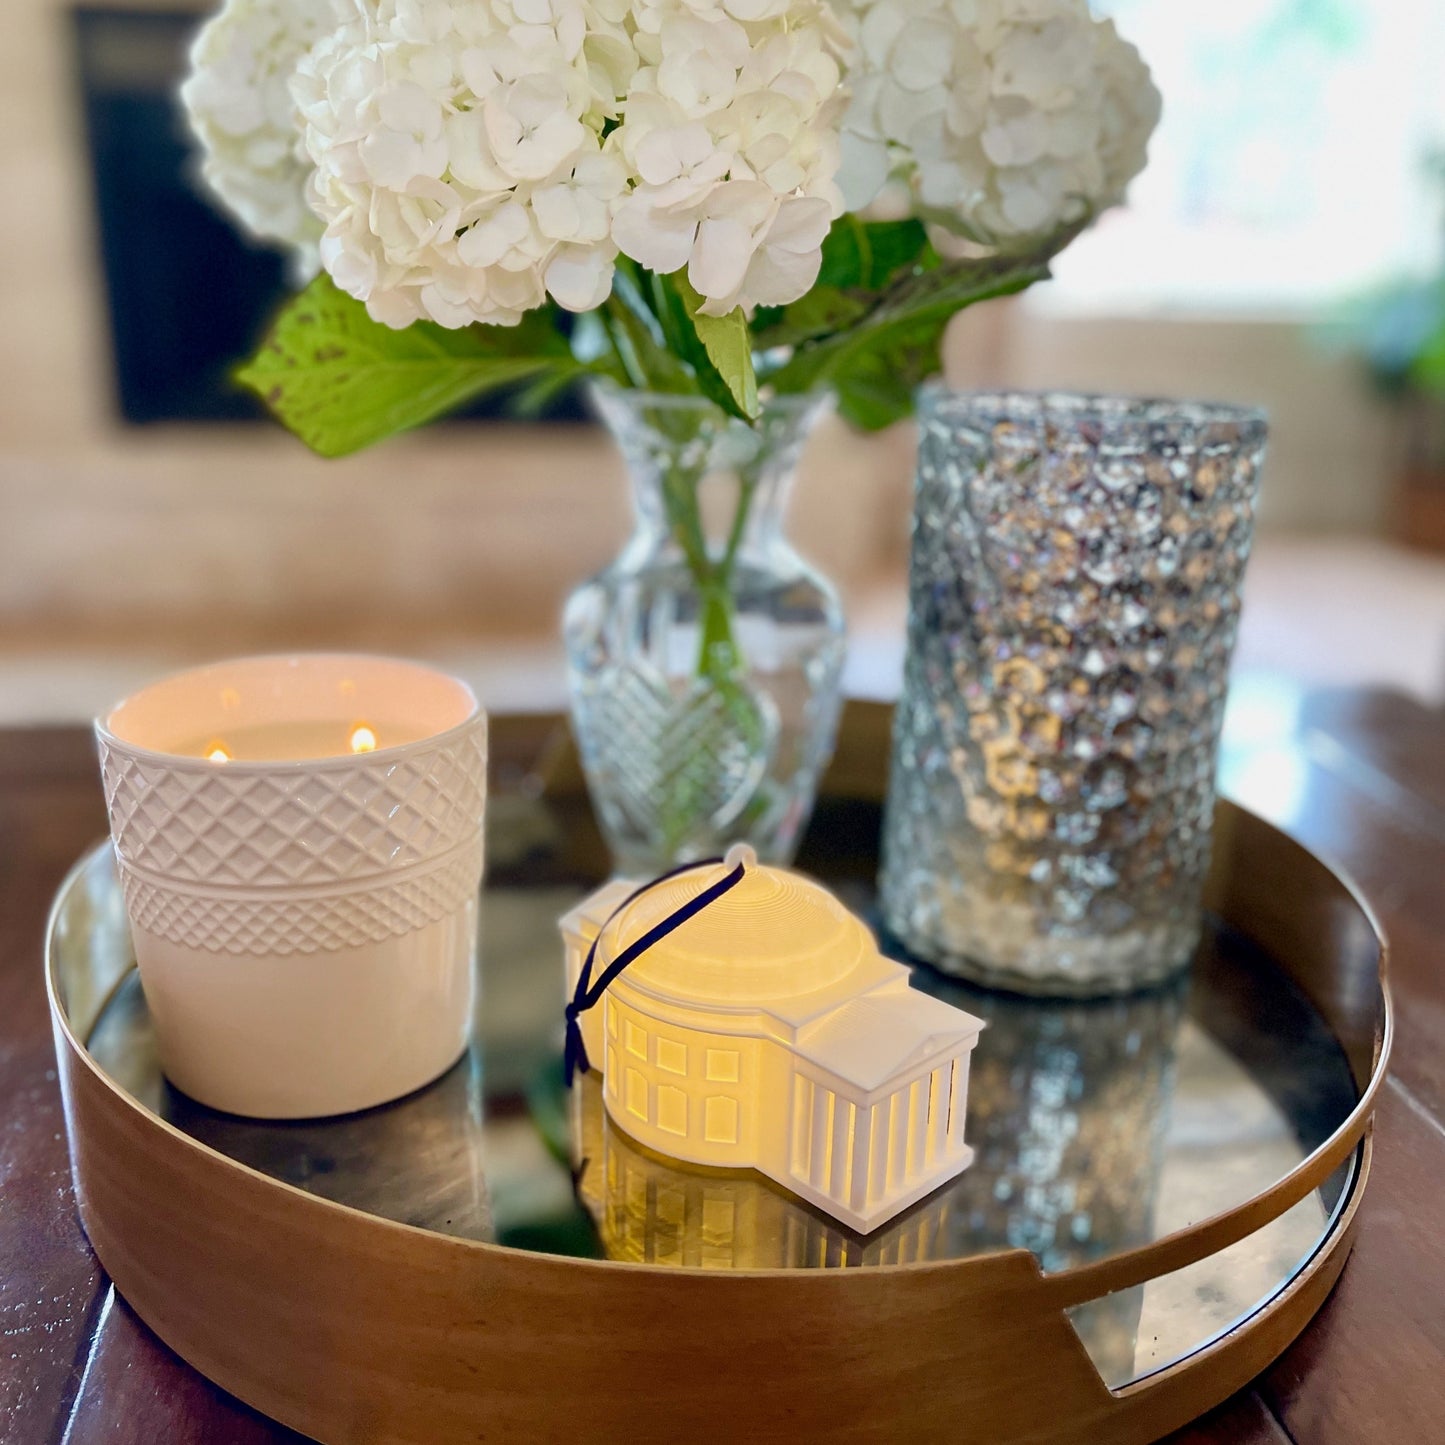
pixel 747 485
pixel 652 367
pixel 719 645
pixel 719 660
pixel 618 325
pixel 626 372
pixel 720 667
pixel 718 657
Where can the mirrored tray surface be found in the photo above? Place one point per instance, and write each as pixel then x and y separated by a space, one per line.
pixel 1098 1127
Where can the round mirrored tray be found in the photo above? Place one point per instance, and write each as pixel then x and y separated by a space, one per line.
pixel 1111 1137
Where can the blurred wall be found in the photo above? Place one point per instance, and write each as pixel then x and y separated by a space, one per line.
pixel 237 532
pixel 238 538
pixel 1331 453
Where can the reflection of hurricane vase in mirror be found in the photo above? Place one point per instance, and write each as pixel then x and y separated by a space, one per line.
pixel 1068 1110
pixel 649 1210
pixel 1075 591
pixel 705 660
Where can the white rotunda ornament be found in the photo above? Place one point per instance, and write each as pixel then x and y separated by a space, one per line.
pixel 743 1018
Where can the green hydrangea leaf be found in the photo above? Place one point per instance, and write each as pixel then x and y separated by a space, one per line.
pixel 875 392
pixel 867 255
pixel 341 381
pixel 729 348
pixel 654 358
pixel 861 259
pixel 876 364
pixel 719 349
pixel 823 310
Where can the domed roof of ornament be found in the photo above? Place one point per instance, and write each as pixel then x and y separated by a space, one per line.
pixel 775 935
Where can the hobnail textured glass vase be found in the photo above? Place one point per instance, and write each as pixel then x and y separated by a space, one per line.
pixel 705 662
pixel 1074 596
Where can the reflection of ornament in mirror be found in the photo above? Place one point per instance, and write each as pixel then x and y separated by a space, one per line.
pixel 650 1210
pixel 768 1032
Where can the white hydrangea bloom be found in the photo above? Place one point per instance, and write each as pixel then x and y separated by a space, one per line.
pixel 1007 118
pixel 1132 106
pixel 458 154
pixel 471 158
pixel 239 103
pixel 730 136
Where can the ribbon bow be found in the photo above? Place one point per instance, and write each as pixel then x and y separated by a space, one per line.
pixel 588 994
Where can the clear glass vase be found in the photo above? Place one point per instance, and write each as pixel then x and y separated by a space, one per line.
pixel 1074 597
pixel 705 662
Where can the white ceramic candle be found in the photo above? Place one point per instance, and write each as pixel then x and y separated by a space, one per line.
pixel 300 842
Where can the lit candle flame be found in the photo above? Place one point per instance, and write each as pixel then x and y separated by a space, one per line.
pixel 363 739
pixel 218 753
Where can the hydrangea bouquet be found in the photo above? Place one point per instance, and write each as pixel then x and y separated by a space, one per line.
pixel 730 205
pixel 701 196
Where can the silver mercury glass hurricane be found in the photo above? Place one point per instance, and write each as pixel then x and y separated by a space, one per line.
pixel 1074 597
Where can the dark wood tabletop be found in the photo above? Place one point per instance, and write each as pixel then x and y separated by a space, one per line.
pixel 1367 775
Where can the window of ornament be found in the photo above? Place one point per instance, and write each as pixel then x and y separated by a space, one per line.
pixel 723 1066
pixel 671 1056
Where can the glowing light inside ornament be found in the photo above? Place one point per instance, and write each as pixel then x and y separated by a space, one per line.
pixel 363 739
pixel 768 1032
pixel 218 752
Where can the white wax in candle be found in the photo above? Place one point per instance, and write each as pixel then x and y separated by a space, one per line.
pixel 286 742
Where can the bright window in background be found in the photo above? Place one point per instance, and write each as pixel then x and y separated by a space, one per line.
pixel 1289 166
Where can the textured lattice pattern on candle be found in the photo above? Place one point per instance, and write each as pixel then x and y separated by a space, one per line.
pixel 275 923
pixel 294 826
pixel 1073 604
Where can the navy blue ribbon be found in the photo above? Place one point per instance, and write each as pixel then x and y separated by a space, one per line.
pixel 588 994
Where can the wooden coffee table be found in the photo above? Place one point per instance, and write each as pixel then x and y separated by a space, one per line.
pixel 76 1366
